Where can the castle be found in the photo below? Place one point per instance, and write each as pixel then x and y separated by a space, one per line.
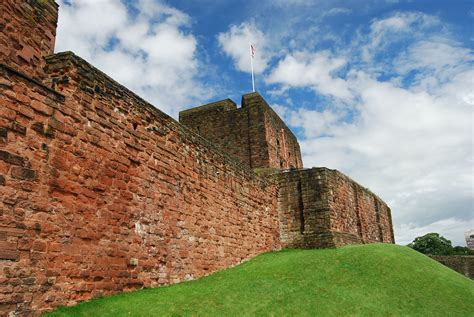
pixel 101 193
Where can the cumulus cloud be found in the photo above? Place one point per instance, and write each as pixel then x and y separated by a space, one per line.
pixel 315 70
pixel 435 62
pixel 146 47
pixel 236 44
pixel 395 28
pixel 409 137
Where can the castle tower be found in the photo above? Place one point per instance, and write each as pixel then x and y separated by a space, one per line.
pixel 253 133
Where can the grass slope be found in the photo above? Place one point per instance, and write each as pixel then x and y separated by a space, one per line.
pixel 368 280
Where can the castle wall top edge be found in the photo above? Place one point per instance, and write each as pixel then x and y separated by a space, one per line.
pixel 323 169
pixel 225 104
pixel 7 69
pixel 61 60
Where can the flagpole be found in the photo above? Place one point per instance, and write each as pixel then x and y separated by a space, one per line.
pixel 251 66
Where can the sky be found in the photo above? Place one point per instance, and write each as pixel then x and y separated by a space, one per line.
pixel 380 90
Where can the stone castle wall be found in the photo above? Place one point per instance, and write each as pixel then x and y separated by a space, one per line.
pixel 254 133
pixel 321 208
pixel 463 264
pixel 100 192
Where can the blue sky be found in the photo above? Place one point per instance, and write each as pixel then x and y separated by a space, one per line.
pixel 381 90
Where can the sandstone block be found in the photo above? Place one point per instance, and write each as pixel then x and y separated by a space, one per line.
pixel 12 158
pixel 18 128
pixel 41 107
pixel 23 173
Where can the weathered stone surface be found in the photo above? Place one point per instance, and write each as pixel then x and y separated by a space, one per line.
pixel 12 158
pixel 322 208
pixel 102 216
pixel 23 173
pixel 463 264
pixel 9 254
pixel 28 34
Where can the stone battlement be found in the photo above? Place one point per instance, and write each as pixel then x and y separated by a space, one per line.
pixel 101 192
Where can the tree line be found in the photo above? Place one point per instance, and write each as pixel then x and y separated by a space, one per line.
pixel 435 244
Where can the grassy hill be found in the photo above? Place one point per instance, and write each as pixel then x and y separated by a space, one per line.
pixel 363 280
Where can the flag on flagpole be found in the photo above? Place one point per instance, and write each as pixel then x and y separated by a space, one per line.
pixel 252 55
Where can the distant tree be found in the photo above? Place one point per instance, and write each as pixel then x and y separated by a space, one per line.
pixel 462 251
pixel 432 243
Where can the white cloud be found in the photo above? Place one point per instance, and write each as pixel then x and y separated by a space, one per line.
pixel 236 44
pixel 315 70
pixel 438 61
pixel 397 27
pixel 149 51
pixel 292 3
pixel 337 11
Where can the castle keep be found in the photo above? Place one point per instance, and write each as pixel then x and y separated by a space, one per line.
pixel 253 133
pixel 101 193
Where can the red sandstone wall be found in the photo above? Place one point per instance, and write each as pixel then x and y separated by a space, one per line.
pixel 357 211
pixel 254 133
pixel 27 33
pixel 304 210
pixel 319 207
pixel 274 145
pixel 385 222
pixel 343 204
pixel 253 104
pixel 101 193
pixel 283 147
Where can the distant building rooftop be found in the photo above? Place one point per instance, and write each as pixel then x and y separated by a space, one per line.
pixel 469 235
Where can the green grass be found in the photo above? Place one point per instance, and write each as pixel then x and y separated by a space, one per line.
pixel 364 280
